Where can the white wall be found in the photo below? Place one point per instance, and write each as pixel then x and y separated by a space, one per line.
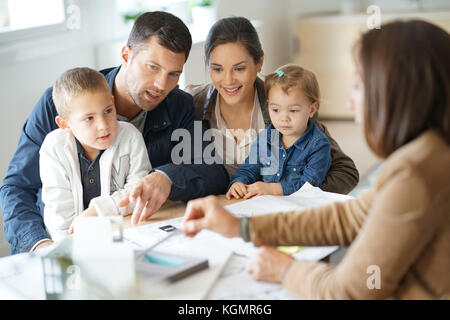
pixel 274 32
pixel 298 8
pixel 29 67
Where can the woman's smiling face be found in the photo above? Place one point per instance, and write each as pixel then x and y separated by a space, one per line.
pixel 233 72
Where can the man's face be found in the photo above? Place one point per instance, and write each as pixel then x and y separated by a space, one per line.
pixel 151 73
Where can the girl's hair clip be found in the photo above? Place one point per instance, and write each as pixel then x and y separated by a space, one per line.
pixel 280 73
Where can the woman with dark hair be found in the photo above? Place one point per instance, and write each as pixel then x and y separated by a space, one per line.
pixel 399 230
pixel 236 105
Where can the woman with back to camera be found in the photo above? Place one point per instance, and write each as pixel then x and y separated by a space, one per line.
pixel 236 105
pixel 399 230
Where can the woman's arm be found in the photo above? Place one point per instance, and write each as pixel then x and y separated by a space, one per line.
pixel 393 236
pixel 332 224
pixel 343 175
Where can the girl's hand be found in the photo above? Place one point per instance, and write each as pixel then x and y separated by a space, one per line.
pixel 237 190
pixel 260 188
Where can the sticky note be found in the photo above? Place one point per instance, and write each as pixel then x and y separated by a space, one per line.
pixel 289 249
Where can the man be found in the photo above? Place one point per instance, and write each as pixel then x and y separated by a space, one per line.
pixel 145 92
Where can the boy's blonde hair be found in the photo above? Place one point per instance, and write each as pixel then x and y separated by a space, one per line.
pixel 74 82
pixel 292 75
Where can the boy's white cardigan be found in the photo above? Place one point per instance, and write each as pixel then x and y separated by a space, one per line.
pixel 122 165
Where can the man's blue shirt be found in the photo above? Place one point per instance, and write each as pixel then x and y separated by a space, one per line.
pixel 20 194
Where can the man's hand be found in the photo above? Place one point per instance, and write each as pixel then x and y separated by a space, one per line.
pixel 268 265
pixel 261 188
pixel 43 244
pixel 148 195
pixel 208 213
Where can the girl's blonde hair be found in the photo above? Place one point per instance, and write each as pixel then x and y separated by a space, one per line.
pixel 292 75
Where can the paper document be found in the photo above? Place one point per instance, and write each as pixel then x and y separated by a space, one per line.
pixel 237 284
pixel 21 277
pixel 307 196
pixel 234 282
pixel 195 286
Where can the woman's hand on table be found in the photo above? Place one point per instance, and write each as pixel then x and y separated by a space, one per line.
pixel 208 213
pixel 269 264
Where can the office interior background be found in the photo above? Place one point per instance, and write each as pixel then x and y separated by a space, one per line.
pixel 40 39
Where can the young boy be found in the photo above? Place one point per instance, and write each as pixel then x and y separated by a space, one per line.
pixel 88 164
pixel 292 150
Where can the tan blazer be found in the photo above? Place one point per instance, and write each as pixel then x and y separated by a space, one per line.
pixel 398 232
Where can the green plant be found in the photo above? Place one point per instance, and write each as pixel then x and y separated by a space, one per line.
pixel 201 3
pixel 131 16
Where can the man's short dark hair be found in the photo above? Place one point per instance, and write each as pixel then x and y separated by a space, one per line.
pixel 172 33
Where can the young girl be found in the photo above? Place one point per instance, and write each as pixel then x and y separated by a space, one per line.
pixel 291 150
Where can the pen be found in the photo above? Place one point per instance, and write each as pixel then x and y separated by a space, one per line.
pixel 146 250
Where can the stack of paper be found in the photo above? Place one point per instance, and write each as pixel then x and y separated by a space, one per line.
pixel 307 196
pixel 210 243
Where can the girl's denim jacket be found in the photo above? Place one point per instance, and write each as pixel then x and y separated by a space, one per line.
pixel 307 160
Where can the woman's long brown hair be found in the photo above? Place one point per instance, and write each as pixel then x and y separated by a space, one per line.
pixel 406 74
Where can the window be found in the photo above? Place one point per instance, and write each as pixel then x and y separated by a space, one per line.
pixel 22 18
pixel 130 9
pixel 23 14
